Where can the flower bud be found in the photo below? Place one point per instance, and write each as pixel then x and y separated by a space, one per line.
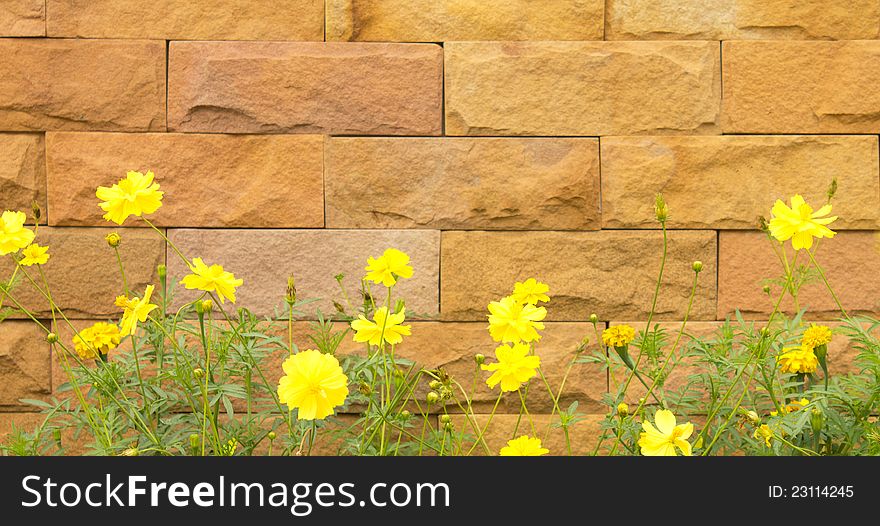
pixel 697 266
pixel 290 295
pixel 52 338
pixel 207 306
pixel 339 277
pixel 480 359
pixel 198 372
pixel 365 389
pixel 432 397
pixel 817 420
pixel 35 208
pixel 765 331
pixel 445 419
pixel 622 409
pixel 162 271
pixel 400 307
pixel 113 239
pixel 131 452
pixel 766 289
pixel 271 435
pixel 661 209
pixel 405 414
pixel 194 441
pixel 448 426
pixel 594 318
pixel 753 418
pixel 435 384
pixel 339 307
pixel 56 435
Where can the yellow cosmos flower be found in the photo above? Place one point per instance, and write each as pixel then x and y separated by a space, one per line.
pixel 101 338
pixel 799 223
pixel 34 254
pixel 135 195
pixel 816 335
pixel 662 440
pixel 514 367
pixel 764 433
pixel 618 336
pixel 212 279
pixel 314 383
pixel 134 310
pixel 386 268
pixel 13 234
pixel 383 326
pixel 512 321
pixel 798 360
pixel 792 407
pixel 531 291
pixel 524 446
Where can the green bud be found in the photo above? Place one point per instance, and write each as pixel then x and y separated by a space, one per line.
pixel 290 294
pixel 622 409
pixel 432 397
pixel 405 414
pixel 35 208
pixel 339 307
pixel 753 418
pixel 162 270
pixel 52 338
pixel 448 426
pixel 435 384
pixel 198 372
pixel 697 266
pixel 480 359
pixel 400 307
pixel 113 239
pixel 445 419
pixel 271 435
pixel 594 318
pixel 817 420
pixel 766 289
pixel 661 209
pixel 194 441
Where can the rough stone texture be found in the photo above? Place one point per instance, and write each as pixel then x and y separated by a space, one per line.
pixel 61 84
pixel 209 180
pixel 187 20
pixel 24 363
pixel 29 422
pixel 726 182
pixel 801 87
pixel 850 261
pixel 610 273
pixel 334 88
pixel 83 273
pixel 264 259
pixel 449 20
pixel 492 184
pixel 584 434
pixel 581 88
pixel 23 18
pixel 22 172
pixel 741 19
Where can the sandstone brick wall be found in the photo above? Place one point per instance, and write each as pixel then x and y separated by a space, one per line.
pixel 493 140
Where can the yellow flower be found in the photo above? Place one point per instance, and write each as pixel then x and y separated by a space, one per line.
pixel 764 432
pixel 531 291
pixel 798 360
pixel 134 310
pixel 524 446
pixel 792 407
pixel 314 383
pixel 383 326
pixel 799 223
pixel 101 338
pixel 212 279
pixel 386 268
pixel 13 234
pixel 618 336
pixel 512 321
pixel 34 254
pixel 136 195
pixel 816 335
pixel 662 440
pixel 514 367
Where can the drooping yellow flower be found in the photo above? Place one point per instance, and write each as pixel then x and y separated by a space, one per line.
pixel 531 291
pixel 383 326
pixel 512 321
pixel 134 310
pixel 792 407
pixel 764 433
pixel 618 336
pixel 314 383
pixel 816 335
pixel 513 368
pixel 34 254
pixel 799 223
pixel 386 268
pixel 135 195
pixel 212 279
pixel 662 440
pixel 798 360
pixel 14 236
pixel 102 337
pixel 524 446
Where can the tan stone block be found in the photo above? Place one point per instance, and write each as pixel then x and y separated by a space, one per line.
pixel 265 258
pixel 741 19
pixel 447 20
pixel 333 88
pixel 463 183
pixel 584 435
pixel 186 20
pixel 269 181
pixel 23 172
pixel 23 18
pixel 582 88
pixel 109 85
pixel 24 363
pixel 850 260
pixel 610 273
pixel 83 273
pixel 728 181
pixel 801 87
